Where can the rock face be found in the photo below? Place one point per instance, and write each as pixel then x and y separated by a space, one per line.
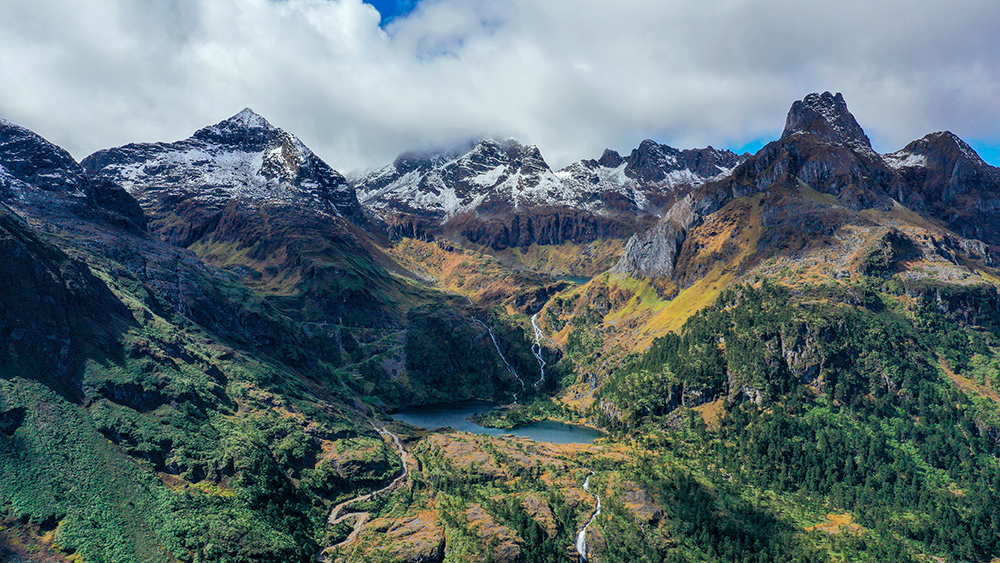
pixel 943 177
pixel 36 174
pixel 186 186
pixel 826 116
pixel 653 252
pixel 505 194
pixel 816 180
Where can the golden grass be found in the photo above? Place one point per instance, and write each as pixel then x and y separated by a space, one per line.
pixel 837 524
pixel 567 259
pixel 990 278
pixel 819 197
pixel 900 214
pixel 478 276
pixel 711 413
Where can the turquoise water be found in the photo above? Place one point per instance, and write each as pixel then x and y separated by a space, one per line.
pixel 575 279
pixel 456 415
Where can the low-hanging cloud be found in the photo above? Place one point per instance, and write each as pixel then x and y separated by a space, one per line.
pixel 572 76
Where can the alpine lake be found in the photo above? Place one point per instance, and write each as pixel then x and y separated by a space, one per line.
pixel 457 416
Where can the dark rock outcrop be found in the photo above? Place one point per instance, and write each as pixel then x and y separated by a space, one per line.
pixel 41 176
pixel 653 163
pixel 826 117
pixel 822 149
pixel 11 420
pixel 944 178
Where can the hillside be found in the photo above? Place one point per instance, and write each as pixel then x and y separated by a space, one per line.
pixel 794 354
pixel 226 413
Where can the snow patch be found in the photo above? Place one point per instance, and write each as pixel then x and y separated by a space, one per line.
pixel 902 160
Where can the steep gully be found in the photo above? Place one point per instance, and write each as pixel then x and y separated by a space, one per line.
pixel 496 345
pixel 536 350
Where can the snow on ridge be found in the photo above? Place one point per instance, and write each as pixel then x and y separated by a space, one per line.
pixel 511 174
pixel 490 179
pixel 900 160
pixel 250 119
pixel 614 175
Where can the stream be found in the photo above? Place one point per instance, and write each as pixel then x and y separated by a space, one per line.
pixel 497 346
pixel 581 537
pixel 536 349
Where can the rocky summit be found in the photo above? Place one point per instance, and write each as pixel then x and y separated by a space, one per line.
pixel 826 117
pixel 221 350
pixel 945 179
pixel 187 185
pixel 505 194
pixel 818 179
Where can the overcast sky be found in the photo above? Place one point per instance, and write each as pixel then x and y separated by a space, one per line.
pixel 572 76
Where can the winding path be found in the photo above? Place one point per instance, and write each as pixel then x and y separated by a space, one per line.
pixel 361 517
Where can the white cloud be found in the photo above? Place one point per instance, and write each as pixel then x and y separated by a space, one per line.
pixel 573 76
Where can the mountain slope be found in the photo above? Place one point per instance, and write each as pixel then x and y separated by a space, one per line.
pixel 946 180
pixel 135 374
pixel 251 198
pixel 793 363
pixel 503 195
pixel 821 179
pixel 186 186
pixel 812 205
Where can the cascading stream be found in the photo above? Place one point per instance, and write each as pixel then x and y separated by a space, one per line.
pixel 536 349
pixel 581 537
pixel 497 346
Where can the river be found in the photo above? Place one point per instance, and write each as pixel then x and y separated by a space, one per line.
pixel 456 415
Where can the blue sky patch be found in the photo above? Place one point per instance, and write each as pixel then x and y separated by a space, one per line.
pixel 392 9
pixel 990 152
pixel 753 146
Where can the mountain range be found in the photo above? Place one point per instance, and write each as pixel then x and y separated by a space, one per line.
pixel 794 354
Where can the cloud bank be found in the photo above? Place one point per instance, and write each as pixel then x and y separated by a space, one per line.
pixel 572 76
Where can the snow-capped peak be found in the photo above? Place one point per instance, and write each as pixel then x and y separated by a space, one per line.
pixel 243 157
pixel 506 175
pixel 250 119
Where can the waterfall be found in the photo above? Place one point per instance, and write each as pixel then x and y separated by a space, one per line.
pixel 536 349
pixel 496 345
pixel 581 537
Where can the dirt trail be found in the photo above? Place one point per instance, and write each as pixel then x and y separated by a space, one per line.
pixel 335 517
